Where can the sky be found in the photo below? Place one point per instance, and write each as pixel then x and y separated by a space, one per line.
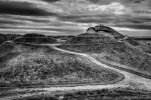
pixel 72 17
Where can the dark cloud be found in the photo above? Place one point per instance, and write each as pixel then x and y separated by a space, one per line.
pixel 136 26
pixel 134 1
pixel 3 22
pixel 118 21
pixel 97 19
pixel 35 20
pixel 21 8
pixel 121 1
pixel 102 1
pixel 138 20
pixel 50 1
pixel 25 16
pixel 44 29
pixel 131 19
pixel 134 22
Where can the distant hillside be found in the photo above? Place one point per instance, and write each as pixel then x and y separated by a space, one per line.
pixel 142 38
pixel 145 42
pixel 35 38
pixel 111 46
pixel 7 37
pixel 22 65
pixel 32 35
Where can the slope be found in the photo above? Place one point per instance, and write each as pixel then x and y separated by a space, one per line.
pixel 111 47
pixel 27 64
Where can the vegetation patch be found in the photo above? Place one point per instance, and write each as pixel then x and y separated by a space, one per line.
pixel 107 47
pixel 104 94
pixel 42 65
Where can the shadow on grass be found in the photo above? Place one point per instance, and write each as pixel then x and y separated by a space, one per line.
pixel 104 94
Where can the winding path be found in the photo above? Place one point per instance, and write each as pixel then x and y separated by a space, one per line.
pixel 140 79
pixel 131 79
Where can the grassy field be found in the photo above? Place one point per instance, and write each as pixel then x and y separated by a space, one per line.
pixel 26 65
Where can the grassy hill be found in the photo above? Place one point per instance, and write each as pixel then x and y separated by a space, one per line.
pixel 145 43
pixel 108 48
pixel 22 65
pixel 35 38
pixel 7 37
pixel 105 29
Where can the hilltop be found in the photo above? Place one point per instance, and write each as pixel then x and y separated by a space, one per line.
pixel 35 38
pixel 27 38
pixel 110 46
pixel 7 37
pixel 99 34
pixel 105 30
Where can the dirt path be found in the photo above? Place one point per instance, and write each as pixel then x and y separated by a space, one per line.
pixel 131 80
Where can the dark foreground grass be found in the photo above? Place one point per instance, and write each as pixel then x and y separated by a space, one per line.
pixel 12 93
pixel 104 94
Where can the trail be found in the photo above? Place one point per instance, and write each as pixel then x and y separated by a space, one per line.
pixel 131 80
pixel 130 76
pixel 141 81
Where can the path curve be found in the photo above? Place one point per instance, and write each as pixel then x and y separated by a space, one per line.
pixel 142 80
pixel 131 80
pixel 129 77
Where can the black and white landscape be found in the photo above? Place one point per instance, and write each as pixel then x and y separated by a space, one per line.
pixel 75 50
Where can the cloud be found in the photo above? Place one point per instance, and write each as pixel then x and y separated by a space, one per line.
pixel 64 29
pixel 112 8
pixel 87 18
pixel 22 8
pixel 136 26
pixel 9 22
pixel 134 22
pixel 102 1
pixel 73 16
pixel 50 1
pixel 123 1
pixel 46 24
pixel 37 19
pixel 123 21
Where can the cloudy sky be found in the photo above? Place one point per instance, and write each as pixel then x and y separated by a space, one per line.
pixel 71 17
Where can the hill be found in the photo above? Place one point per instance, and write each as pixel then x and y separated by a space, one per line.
pixel 111 47
pixel 32 35
pixel 22 64
pixel 99 34
pixel 145 43
pixel 7 37
pixel 35 38
pixel 106 31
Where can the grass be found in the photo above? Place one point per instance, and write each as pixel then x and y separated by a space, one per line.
pixel 108 49
pixel 36 40
pixel 104 94
pixel 12 93
pixel 41 65
pixel 145 46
